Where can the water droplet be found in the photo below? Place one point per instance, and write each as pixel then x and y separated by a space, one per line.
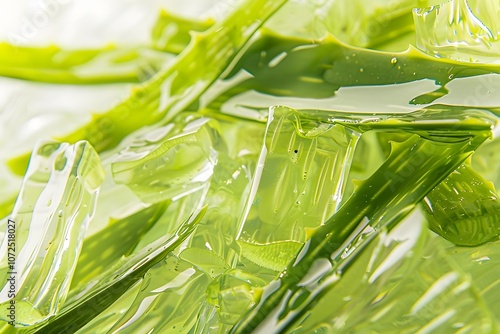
pixel 394 60
pixel 361 70
pixel 451 76
pixel 60 213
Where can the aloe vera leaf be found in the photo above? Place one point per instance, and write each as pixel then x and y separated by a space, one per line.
pixel 178 85
pixel 86 66
pixel 100 251
pixel 403 282
pixel 207 260
pixel 291 66
pixel 413 168
pixel 464 208
pixel 88 303
pixel 172 33
pixel 51 215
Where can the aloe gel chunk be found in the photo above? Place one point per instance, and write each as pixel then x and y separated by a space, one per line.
pixel 300 177
pixel 56 202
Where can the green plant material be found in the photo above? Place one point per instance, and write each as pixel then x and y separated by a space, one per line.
pixel 464 208
pixel 413 168
pixel 102 250
pixel 299 67
pixel 178 85
pixel 403 282
pixel 84 305
pixel 92 66
pixel 50 218
pixel 172 33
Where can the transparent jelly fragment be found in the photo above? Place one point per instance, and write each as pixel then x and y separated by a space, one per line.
pixel 464 30
pixel 54 207
pixel 300 177
pixel 170 162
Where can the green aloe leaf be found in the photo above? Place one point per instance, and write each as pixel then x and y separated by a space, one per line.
pixel 92 66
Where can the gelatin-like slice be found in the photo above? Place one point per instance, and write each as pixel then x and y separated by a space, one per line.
pixel 299 181
pixel 465 30
pixel 51 215
pixel 170 162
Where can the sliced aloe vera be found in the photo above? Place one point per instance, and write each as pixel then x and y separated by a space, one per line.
pixel 50 218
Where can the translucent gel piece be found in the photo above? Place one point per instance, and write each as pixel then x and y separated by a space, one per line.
pixel 52 212
pixel 299 181
pixel 171 166
pixel 465 30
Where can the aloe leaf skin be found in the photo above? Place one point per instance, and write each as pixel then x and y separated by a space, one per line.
pixel 107 290
pixel 413 168
pixel 292 66
pixel 54 207
pixel 53 64
pixel 178 85
pixel 464 208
